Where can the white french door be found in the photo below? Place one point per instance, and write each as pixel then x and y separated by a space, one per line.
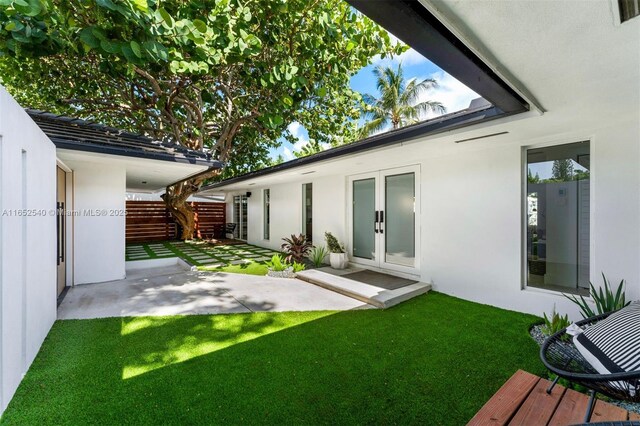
pixel 384 219
pixel 240 216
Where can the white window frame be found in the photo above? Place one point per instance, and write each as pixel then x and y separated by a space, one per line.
pixel 578 137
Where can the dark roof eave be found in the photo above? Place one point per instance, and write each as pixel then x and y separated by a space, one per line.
pixel 428 128
pixel 111 150
pixel 82 135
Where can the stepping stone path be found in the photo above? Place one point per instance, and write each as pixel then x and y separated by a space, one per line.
pixel 200 254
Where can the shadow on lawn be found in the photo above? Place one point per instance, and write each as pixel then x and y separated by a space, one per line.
pixel 171 340
pixel 433 360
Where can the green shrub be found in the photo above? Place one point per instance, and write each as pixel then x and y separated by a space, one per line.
pixel 317 255
pixel 333 244
pixel 605 298
pixel 554 324
pixel 277 263
pixel 297 267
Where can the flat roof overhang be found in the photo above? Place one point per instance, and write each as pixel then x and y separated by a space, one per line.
pixel 411 22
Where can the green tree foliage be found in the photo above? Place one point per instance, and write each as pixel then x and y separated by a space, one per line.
pixel 278 160
pixel 399 102
pixel 225 76
pixel 562 170
pixel 310 148
pixel 532 178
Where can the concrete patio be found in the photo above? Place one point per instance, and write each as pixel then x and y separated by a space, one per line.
pixel 173 291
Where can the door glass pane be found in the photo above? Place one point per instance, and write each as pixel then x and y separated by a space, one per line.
pixel 307 211
pixel 243 219
pixel 364 218
pixel 236 215
pixel 266 214
pixel 558 217
pixel 399 219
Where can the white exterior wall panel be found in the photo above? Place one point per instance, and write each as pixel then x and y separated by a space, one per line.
pixel 27 243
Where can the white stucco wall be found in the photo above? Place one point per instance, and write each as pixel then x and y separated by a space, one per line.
pixel 328 210
pixel 472 244
pixel 27 244
pixel 471 241
pixel 99 240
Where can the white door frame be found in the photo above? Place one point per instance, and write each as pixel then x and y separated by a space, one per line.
pixel 379 259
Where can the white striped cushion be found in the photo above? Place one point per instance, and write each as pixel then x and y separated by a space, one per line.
pixel 613 344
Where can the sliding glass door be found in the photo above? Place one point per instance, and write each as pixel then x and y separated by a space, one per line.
pixel 384 219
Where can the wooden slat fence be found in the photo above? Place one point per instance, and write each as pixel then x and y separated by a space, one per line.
pixel 210 219
pixel 151 221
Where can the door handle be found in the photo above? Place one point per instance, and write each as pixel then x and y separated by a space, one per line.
pixel 381 221
pixel 375 225
pixel 63 238
pixel 57 234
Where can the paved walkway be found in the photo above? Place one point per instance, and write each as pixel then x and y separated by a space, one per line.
pixel 171 291
pixel 200 253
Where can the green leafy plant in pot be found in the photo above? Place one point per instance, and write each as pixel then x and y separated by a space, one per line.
pixel 337 254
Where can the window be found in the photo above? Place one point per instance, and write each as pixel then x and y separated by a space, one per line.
pixel 266 213
pixel 307 210
pixel 557 217
pixel 629 9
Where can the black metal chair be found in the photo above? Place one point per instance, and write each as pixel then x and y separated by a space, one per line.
pixel 230 228
pixel 562 358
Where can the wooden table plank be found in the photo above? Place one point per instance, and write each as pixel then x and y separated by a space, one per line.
pixel 571 409
pixel 634 416
pixel 604 411
pixel 539 406
pixel 504 404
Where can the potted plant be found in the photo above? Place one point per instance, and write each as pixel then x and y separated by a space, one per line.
pixel 337 254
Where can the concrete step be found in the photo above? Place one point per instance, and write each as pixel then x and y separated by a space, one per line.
pixel 367 293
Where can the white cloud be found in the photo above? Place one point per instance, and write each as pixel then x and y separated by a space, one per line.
pixel 409 57
pixel 287 154
pixel 454 95
pixel 300 133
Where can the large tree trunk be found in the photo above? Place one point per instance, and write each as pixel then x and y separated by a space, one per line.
pixel 176 200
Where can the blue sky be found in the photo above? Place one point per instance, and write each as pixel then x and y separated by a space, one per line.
pixel 451 93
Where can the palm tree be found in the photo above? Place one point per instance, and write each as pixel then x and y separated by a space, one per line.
pixel 310 148
pixel 398 103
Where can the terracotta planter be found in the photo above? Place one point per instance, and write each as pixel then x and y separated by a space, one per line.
pixel 339 260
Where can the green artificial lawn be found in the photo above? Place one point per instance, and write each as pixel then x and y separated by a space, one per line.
pixel 252 268
pixel 224 258
pixel 435 359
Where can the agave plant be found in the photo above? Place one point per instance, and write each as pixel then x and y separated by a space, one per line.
pixel 317 255
pixel 606 300
pixel 296 247
pixel 554 323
